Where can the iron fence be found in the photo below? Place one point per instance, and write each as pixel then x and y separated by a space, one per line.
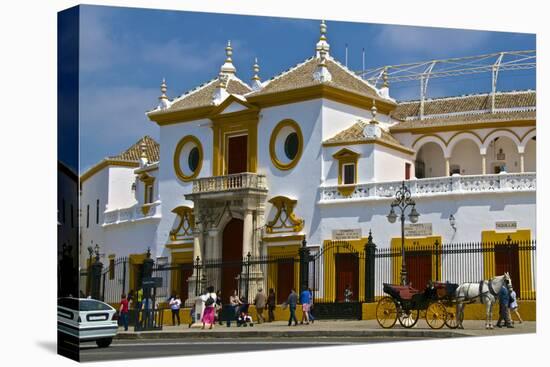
pixel 339 272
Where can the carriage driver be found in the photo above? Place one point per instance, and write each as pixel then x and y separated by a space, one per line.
pixel 503 302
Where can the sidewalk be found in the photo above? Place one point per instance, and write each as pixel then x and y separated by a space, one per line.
pixel 326 328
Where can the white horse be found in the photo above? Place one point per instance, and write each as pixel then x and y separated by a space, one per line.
pixel 485 292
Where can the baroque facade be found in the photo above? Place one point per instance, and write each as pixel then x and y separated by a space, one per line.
pixel 315 153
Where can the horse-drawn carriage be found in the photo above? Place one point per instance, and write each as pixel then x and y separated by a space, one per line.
pixel 405 303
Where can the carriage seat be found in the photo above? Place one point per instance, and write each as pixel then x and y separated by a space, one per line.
pixel 401 291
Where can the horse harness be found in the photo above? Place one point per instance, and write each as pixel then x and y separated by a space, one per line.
pixel 491 290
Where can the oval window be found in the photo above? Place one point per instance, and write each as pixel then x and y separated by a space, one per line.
pixel 193 159
pixel 291 145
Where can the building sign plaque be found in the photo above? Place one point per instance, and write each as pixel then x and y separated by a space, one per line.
pixel 506 225
pixel 347 234
pixel 418 229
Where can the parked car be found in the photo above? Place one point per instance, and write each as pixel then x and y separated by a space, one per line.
pixel 85 320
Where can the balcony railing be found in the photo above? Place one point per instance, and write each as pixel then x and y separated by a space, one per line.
pixel 132 213
pixel 456 184
pixel 229 183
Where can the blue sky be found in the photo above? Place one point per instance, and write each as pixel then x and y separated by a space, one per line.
pixel 125 53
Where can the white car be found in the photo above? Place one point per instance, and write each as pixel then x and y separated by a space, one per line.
pixel 84 320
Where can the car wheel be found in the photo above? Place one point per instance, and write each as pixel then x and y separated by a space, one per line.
pixel 104 343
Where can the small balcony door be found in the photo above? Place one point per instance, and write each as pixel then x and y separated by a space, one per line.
pixel 237 154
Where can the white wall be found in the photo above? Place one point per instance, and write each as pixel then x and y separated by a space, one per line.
pixel 530 158
pixel 131 238
pixel 172 189
pixel 389 164
pixel 434 162
pixel 120 183
pixel 95 187
pixel 302 181
pixel 466 155
pixel 474 213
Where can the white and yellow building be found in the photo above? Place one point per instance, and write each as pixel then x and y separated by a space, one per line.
pixel 314 153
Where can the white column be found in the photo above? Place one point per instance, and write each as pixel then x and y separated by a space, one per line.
pixel 522 162
pixel 447 166
pixel 247 232
pixel 483 164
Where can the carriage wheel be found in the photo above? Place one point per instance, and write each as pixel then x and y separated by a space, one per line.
pixel 408 318
pixel 386 312
pixel 452 320
pixel 436 315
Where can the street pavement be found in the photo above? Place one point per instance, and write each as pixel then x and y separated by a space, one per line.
pixel 181 341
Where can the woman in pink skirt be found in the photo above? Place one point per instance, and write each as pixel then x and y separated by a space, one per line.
pixel 209 315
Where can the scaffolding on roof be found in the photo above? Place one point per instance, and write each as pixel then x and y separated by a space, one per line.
pixel 426 70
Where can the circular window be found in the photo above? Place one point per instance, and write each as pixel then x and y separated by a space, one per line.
pixel 286 144
pixel 291 145
pixel 193 159
pixel 188 158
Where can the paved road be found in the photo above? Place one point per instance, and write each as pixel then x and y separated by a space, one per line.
pixel 127 349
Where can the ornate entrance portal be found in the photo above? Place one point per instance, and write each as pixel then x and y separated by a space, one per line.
pixel 232 250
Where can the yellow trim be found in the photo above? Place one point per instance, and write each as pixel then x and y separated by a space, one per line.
pixel 428 135
pixel 163 118
pixel 185 215
pixel 418 244
pixel 286 251
pixel 464 132
pixel 145 208
pixel 284 206
pixel 387 144
pixel 105 163
pixel 490 238
pixel 527 133
pixel 179 258
pixel 296 237
pixel 232 124
pixel 273 139
pixel 346 156
pixel 329 266
pixel 496 130
pixel 479 125
pixel 179 246
pixel 177 153
pixel 134 259
pixel 317 92
pixel 111 256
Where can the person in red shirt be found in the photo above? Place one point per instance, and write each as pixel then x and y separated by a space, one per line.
pixel 123 310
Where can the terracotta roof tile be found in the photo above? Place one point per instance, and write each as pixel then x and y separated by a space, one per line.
pixel 355 134
pixel 479 102
pixel 301 76
pixel 202 96
pixel 134 152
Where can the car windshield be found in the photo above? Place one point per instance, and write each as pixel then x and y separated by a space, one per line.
pixel 83 304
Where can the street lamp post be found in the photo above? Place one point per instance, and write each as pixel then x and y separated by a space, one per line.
pixel 402 202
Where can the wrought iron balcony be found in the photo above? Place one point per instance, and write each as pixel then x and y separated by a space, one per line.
pixel 438 186
pixel 232 182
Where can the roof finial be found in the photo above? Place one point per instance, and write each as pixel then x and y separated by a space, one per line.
pixel 143 157
pixel 373 111
pixel 164 101
pixel 372 130
pixel 322 44
pixel 256 83
pixel 228 67
pixel 321 73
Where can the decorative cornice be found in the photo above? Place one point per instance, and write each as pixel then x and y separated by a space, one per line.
pixel 399 148
pixel 105 163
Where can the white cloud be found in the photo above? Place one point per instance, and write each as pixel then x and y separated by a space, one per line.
pixel 112 119
pixel 430 41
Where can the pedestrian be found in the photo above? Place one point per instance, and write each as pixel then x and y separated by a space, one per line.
pixel 271 304
pixel 310 313
pixel 219 306
pixel 304 300
pixel 503 304
pixel 234 304
pixel 291 302
pixel 123 311
pixel 175 305
pixel 348 293
pixel 259 302
pixel 131 297
pixel 514 306
pixel 193 314
pixel 209 313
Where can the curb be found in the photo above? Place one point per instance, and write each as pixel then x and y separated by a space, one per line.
pixel 285 334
